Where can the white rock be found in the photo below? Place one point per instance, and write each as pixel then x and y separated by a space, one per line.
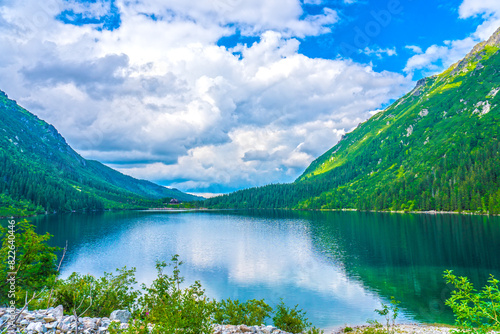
pixel 423 113
pixel 58 312
pixel 494 92
pixel 40 328
pixel 120 315
pixel 51 325
pixel 49 319
pixel 31 326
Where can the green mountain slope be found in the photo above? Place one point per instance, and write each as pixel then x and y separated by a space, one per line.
pixel 39 171
pixel 436 148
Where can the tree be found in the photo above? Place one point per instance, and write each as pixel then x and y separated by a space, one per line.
pixel 34 263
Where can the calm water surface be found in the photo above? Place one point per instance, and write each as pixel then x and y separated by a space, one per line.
pixel 338 266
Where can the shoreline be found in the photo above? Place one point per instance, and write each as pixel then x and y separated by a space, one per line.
pixel 428 212
pixel 411 328
pixel 53 320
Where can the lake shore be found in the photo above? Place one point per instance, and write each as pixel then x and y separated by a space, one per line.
pixel 53 320
pixel 431 212
pixel 401 328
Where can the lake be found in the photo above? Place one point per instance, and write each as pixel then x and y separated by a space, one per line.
pixel 338 266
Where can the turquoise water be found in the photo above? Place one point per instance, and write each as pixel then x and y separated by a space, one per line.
pixel 338 266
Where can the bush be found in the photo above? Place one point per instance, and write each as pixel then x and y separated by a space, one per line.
pixel 35 261
pixel 475 311
pixel 390 312
pixel 252 312
pixel 290 319
pixel 99 296
pixel 314 330
pixel 175 310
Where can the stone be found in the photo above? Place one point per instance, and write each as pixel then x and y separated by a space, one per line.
pixel 69 319
pixel 271 328
pixel 120 315
pixel 58 312
pixel 63 327
pixel 49 319
pixel 51 325
pixel 39 327
pixel 89 323
pixel 4 318
pixel 105 323
pixel 245 329
pixel 31 327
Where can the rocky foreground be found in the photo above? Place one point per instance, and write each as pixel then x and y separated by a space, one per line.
pixel 54 321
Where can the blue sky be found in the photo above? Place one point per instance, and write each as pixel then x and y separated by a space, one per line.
pixel 215 96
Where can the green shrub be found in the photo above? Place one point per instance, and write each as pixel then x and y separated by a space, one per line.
pixel 314 330
pixel 35 261
pixel 175 310
pixel 475 311
pixel 390 312
pixel 136 326
pixel 99 296
pixel 290 319
pixel 232 312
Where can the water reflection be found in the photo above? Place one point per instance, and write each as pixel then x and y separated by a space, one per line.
pixel 234 256
pixel 335 265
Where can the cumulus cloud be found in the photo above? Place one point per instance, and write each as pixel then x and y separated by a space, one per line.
pixel 437 57
pixel 489 10
pixel 158 99
pixel 250 17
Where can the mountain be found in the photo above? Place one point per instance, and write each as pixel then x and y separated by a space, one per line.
pixel 436 148
pixel 40 172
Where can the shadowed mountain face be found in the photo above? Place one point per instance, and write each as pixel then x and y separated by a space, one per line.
pixel 436 148
pixel 39 171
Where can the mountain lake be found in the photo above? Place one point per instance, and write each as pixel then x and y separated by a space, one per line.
pixel 337 266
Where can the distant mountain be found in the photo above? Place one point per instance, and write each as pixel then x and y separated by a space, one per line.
pixel 436 148
pixel 39 172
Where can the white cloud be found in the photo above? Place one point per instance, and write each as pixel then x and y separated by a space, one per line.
pixel 470 8
pixel 489 10
pixel 438 57
pixel 379 52
pixel 251 17
pixel 158 99
pixel 414 48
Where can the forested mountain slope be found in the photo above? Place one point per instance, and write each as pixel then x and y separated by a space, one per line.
pixel 436 148
pixel 40 172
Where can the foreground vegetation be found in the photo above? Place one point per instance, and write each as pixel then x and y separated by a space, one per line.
pixel 173 307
